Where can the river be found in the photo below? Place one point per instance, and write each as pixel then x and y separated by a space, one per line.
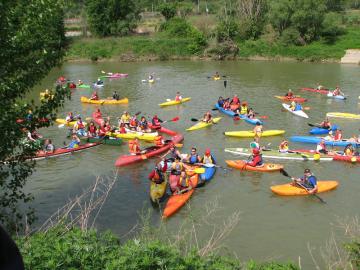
pixel 270 227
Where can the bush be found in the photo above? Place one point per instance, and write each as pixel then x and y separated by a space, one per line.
pixel 290 36
pixel 354 249
pixel 332 27
pixel 227 30
pixel 168 10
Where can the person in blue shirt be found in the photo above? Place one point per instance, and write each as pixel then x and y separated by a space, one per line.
pixel 308 182
pixel 193 157
pixel 221 102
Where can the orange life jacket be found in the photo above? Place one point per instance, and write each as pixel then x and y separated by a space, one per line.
pixel 159 140
pixel 133 147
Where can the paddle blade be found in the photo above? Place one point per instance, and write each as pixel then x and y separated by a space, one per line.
pixel 194 120
pixel 236 118
pixel 137 113
pixel 199 170
pixel 177 118
pixel 283 172
pixel 61 125
pixel 264 117
pixel 215 109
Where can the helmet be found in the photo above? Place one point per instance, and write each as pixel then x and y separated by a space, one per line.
pixel 207 151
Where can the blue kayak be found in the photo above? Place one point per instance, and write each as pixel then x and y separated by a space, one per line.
pixel 209 173
pixel 319 130
pixel 242 116
pixel 315 140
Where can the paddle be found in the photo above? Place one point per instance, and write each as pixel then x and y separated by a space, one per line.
pixel 299 153
pixel 213 165
pixel 317 125
pixel 283 172
pixel 175 119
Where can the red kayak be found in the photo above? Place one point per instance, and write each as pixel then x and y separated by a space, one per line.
pixel 347 158
pixel 296 99
pixel 61 151
pixel 150 152
pixel 97 118
pixel 322 91
pixel 163 130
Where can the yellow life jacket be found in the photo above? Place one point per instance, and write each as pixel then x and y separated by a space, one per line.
pixel 244 110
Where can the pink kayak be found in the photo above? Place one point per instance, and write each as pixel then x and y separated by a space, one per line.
pixel 322 91
pixel 117 75
pixel 163 130
pixel 347 158
pixel 97 118
pixel 150 152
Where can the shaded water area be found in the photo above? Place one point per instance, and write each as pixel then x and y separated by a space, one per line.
pixel 271 227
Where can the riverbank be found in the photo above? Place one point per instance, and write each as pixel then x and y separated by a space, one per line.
pixel 158 48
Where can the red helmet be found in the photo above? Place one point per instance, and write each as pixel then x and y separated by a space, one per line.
pixel 207 151
pixel 256 151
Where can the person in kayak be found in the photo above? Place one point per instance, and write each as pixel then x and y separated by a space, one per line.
pixel 251 113
pixel 244 108
pixel 75 142
pixel 220 102
pixel 258 129
pixel 308 182
pixel 29 115
pixel 320 87
pixel 207 117
pixel 125 118
pixel 143 124
pixel 337 92
pixel 226 104
pixel 97 113
pixel 48 146
pixel 157 174
pixel 284 147
pixel 325 124
pixel 80 82
pixel 216 75
pixel 178 97
pixel 174 153
pixel 183 184
pixel 208 158
pixel 257 160
pixel 134 147
pixel 338 135
pixel 79 127
pixel 151 77
pixel 156 122
pixel 289 94
pixel 133 122
pixel 115 96
pixel 321 147
pixel 177 171
pixel 99 82
pixel 69 118
pixel 193 157
pixel 159 140
pixel 349 150
pixel 295 106
pixel 122 129
pixel 94 96
pixel 91 130
pixel 235 100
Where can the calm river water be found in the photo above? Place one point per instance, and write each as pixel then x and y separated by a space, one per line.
pixel 271 227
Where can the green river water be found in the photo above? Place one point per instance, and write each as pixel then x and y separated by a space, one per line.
pixel 271 227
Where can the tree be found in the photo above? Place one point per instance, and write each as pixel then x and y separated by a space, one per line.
pixel 112 17
pixel 32 41
pixel 168 10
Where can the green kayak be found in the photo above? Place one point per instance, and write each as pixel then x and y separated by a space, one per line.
pixel 84 86
pixel 108 140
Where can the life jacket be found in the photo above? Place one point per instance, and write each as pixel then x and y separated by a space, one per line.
pixel 178 98
pixel 208 159
pixel 107 128
pixel 133 122
pixel 155 121
pixel 298 107
pixel 235 100
pixel 234 107
pixel 243 110
pixel 226 105
pixel 194 159
pixel 284 146
pixel 338 136
pixel 97 114
pixel 133 147
pixel 183 183
pixel 159 140
pixel 80 125
pixel 72 85
pixel 220 103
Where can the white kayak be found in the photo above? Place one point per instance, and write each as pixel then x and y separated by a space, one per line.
pixel 298 113
pixel 337 97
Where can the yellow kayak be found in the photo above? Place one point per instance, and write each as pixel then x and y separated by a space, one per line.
pixel 104 101
pixel 216 78
pixel 174 102
pixel 157 191
pixel 202 124
pixel 150 137
pixel 343 115
pixel 63 121
pixel 249 134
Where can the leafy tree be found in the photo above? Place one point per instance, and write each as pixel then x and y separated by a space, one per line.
pixel 279 15
pixel 332 27
pixel 168 10
pixel 112 17
pixel 32 41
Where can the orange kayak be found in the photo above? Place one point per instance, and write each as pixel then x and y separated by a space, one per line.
pixel 176 201
pixel 291 190
pixel 241 164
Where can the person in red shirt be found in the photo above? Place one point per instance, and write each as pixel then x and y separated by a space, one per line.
pixel 257 159
pixel 156 122
pixel 338 135
pixel 157 174
pixel 178 97
pixel 134 147
pixel 94 96
pixel 91 129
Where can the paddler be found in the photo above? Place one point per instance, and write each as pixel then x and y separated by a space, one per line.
pixel 133 122
pixel 319 86
pixel 292 105
pixel 226 104
pixel 338 135
pixel 173 152
pixel 216 75
pixel 115 96
pixel 94 96
pixel 337 92
pixel 207 117
pixel 321 147
pixel 289 94
pixel 257 160
pixel 125 118
pixel 157 174
pixel 308 181
pixel 244 108
pixel 178 97
pixel 69 118
pixel 144 124
pixel 97 113
pixel 284 147
pixel 349 150
pixel 325 124
pixel 177 170
pixel 183 184
pixel 91 130
pixel 48 146
pixel 80 82
pixel 208 158
pixel 235 100
pixel 251 113
pixel 29 115
pixel 75 142
pixel 258 129
pixel 134 147
pixel 159 140
pixel 79 127
pixel 193 157
pixel 220 102
pixel 99 82
pixel 156 122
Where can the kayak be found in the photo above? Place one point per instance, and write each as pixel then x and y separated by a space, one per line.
pixel 61 152
pixel 291 190
pixel 70 124
pixel 209 173
pixel 315 140
pixel 249 134
pixel 176 201
pixel 343 115
pixel 319 130
pixel 98 85
pixel 150 137
pixel 322 91
pixel 83 86
pixel 298 113
pixel 266 167
pixel 347 158
pixel 174 102
pixel 275 154
pixel 330 95
pixel 231 113
pixel 109 140
pixel 116 75
pixel 157 191
pixel 296 99
pixel 162 130
pixel 104 101
pixel 202 124
pixel 149 152
pixel 97 119
pixel 216 78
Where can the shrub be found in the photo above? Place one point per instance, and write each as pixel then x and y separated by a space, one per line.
pixel 168 10
pixel 331 27
pixel 290 36
pixel 226 30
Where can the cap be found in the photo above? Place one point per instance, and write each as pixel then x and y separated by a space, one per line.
pixel 207 151
pixel 306 170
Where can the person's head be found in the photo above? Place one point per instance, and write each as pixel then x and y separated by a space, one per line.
pixel 207 152
pixel 74 136
pixel 220 98
pixel 98 79
pixel 244 103
pixel 47 141
pixel 290 91
pixel 322 142
pixel 307 172
pixel 177 159
pixel 79 118
pixel 193 150
pixel 92 123
pixel 143 118
pixel 258 123
pixel 178 93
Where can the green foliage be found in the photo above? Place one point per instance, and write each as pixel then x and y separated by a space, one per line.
pixel 227 30
pixel 279 15
pixel 185 9
pixel 32 40
pixel 78 249
pixel 335 5
pixel 290 36
pixel 112 17
pixel 354 249
pixel 332 27
pixel 168 10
